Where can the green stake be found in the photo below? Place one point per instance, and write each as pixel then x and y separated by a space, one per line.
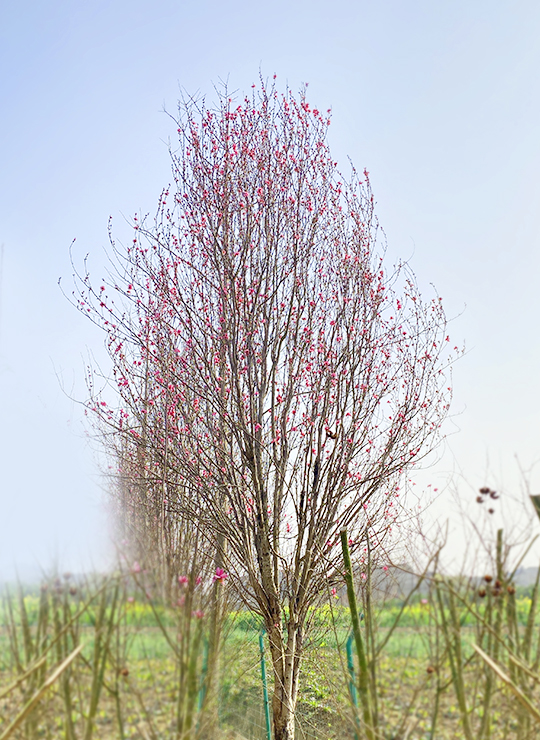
pixel 352 682
pixel 265 687
pixel 202 690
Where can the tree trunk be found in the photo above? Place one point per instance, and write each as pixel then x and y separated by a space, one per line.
pixel 214 647
pixel 283 722
pixel 286 665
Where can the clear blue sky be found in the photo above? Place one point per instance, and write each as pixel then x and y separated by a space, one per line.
pixel 440 101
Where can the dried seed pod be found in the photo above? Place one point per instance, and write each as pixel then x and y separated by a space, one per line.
pixel 481 592
pixel 430 669
pixel 488 579
pixel 511 590
pixel 124 672
pixel 496 592
pixel 484 491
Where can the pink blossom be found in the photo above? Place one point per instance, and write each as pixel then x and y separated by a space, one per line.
pixel 130 599
pixel 423 601
pixel 183 580
pixel 335 593
pixel 136 568
pixel 220 575
pixel 198 580
pixel 198 614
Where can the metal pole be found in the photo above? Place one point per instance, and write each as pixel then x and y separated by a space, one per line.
pixel 265 687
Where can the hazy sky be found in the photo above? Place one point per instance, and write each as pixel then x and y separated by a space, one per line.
pixel 440 101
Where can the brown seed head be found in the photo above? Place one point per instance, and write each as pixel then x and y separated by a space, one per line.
pixel 497 584
pixel 479 500
pixel 484 491
pixel 511 590
pixel 488 579
pixel 496 592
pixel 430 669
pixel 481 592
pixel 73 590
pixel 124 672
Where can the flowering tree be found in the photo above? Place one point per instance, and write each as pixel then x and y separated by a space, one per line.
pixel 274 379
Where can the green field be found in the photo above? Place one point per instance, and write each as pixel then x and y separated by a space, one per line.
pixel 132 676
